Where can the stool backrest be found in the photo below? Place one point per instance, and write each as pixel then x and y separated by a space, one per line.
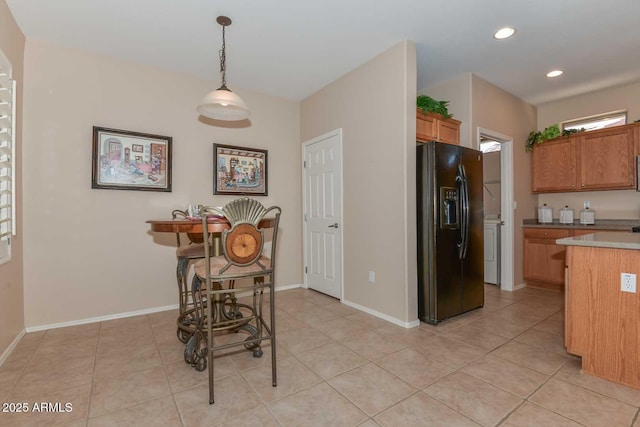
pixel 243 243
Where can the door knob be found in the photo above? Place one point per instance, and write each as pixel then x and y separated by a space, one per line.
pixel 334 225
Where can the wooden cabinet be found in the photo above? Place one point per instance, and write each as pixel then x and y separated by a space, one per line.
pixel 587 161
pixel 607 158
pixel 602 323
pixel 543 258
pixel 554 166
pixel 433 127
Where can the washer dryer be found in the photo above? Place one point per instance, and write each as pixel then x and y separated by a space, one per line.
pixel 492 250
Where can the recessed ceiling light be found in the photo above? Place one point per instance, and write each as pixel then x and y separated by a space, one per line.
pixel 504 33
pixel 555 73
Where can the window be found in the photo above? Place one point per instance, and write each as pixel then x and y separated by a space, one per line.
pixel 488 145
pixel 7 159
pixel 601 121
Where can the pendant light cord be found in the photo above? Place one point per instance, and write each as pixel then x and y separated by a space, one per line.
pixel 223 60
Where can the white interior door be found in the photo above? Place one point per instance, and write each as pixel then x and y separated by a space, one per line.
pixel 322 173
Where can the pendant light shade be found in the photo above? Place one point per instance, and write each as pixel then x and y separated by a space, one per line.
pixel 222 104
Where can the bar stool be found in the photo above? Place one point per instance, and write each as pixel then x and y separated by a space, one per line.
pixel 188 250
pixel 216 308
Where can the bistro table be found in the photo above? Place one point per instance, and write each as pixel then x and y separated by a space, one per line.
pixel 215 225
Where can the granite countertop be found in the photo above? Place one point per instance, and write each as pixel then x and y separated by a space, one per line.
pixel 601 224
pixel 604 239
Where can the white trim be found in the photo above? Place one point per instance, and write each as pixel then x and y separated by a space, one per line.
pixel 338 133
pixel 382 316
pixel 101 318
pixel 507 277
pixel 128 314
pixel 11 347
pixel 520 286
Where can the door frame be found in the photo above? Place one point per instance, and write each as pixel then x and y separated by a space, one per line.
pixel 338 133
pixel 507 204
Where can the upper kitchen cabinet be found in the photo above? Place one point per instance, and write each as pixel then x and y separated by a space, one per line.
pixel 433 127
pixel 587 161
pixel 607 159
pixel 554 166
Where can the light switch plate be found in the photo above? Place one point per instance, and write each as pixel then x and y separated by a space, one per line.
pixel 628 282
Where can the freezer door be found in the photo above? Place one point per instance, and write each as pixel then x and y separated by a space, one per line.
pixel 473 261
pixel 447 275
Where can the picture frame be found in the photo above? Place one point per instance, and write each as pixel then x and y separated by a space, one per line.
pixel 239 171
pixel 127 160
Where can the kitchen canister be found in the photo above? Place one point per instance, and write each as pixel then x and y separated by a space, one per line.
pixel 587 216
pixel 545 214
pixel 566 215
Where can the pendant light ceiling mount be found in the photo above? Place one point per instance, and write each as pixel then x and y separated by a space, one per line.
pixel 222 104
pixel 223 20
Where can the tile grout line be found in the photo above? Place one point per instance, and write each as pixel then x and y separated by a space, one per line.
pixel 166 376
pixel 93 376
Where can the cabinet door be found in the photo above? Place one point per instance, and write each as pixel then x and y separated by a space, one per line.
pixel 426 129
pixel 448 131
pixel 543 259
pixel 607 159
pixel 554 166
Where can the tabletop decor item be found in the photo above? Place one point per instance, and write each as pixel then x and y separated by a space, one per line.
pixel 239 170
pixel 125 160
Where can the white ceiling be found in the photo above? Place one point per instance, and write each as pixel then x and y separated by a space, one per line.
pixel 292 48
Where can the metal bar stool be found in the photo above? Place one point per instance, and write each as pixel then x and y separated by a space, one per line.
pixel 216 309
pixel 190 249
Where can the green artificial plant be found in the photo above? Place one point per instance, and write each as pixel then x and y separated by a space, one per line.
pixel 548 133
pixel 426 104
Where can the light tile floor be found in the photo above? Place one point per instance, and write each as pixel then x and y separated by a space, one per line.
pixel 501 365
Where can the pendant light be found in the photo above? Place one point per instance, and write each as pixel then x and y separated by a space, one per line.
pixel 222 104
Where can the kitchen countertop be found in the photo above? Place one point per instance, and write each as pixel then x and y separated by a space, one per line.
pixel 601 224
pixel 615 240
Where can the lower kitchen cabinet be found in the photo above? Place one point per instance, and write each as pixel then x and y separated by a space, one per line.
pixel 543 259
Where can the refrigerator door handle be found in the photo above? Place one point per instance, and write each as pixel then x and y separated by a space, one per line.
pixel 464 205
pixel 461 197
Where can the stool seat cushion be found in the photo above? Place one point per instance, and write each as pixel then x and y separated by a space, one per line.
pixel 195 250
pixel 218 262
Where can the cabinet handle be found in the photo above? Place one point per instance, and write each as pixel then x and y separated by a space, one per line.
pixel 545 234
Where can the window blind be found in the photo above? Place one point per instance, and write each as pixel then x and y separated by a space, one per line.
pixel 7 161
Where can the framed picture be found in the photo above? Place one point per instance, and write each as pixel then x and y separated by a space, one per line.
pixel 239 170
pixel 116 167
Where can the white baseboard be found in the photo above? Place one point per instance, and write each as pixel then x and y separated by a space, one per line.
pixel 383 316
pixel 123 315
pixel 5 355
pixel 520 286
pixel 101 318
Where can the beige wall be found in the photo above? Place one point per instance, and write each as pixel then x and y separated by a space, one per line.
pixel 458 92
pixel 375 107
pixel 89 253
pixel 620 204
pixel 11 283
pixel 499 111
pixel 491 178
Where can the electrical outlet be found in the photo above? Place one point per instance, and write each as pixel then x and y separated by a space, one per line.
pixel 628 282
pixel 372 276
pixel 587 204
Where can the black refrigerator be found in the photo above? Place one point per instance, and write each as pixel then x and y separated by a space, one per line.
pixel 450 231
